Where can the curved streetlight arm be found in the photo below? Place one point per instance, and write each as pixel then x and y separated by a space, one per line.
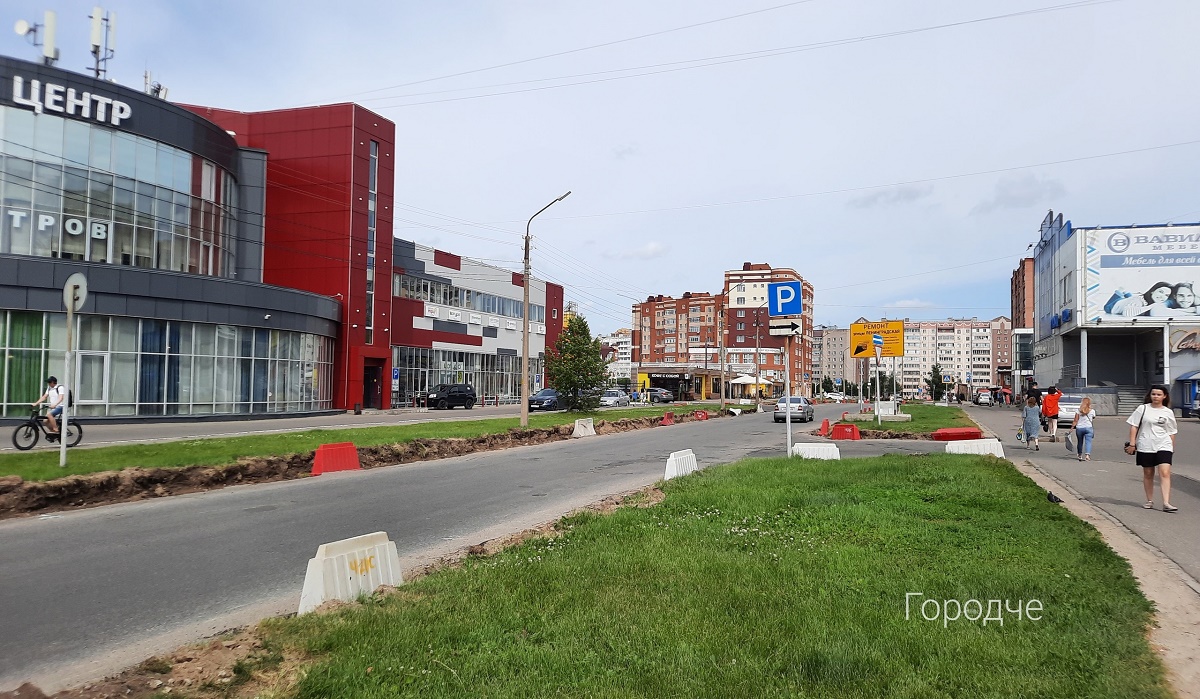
pixel 525 318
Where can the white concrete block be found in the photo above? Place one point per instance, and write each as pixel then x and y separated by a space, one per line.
pixel 763 409
pixel 735 411
pixel 976 446
pixel 816 451
pixel 584 428
pixel 344 570
pixel 887 407
pixel 680 463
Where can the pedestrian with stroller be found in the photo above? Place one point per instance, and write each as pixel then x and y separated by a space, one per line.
pixel 1031 421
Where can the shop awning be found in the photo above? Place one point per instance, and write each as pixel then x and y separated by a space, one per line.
pixel 747 380
pixel 1190 376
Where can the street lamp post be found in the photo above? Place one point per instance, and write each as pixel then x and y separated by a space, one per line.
pixel 525 319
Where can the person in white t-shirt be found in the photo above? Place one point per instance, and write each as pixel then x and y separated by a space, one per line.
pixel 1152 430
pixel 55 397
pixel 1083 430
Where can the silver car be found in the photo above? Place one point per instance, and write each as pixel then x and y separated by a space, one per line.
pixel 801 410
pixel 613 397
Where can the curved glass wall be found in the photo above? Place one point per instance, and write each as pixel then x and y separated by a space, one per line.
pixel 79 191
pixel 127 366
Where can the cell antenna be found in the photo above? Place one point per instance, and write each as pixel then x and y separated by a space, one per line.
pixel 48 30
pixel 104 42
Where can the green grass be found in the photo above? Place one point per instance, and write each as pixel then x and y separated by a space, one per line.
pixel 42 464
pixel 765 578
pixel 925 419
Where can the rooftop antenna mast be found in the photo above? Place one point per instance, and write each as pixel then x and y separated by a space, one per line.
pixel 104 42
pixel 49 30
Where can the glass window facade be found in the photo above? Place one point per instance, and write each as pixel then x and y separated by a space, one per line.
pixel 81 191
pixel 410 287
pixel 490 374
pixel 127 366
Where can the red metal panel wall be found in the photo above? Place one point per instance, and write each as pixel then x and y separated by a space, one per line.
pixel 554 313
pixel 316 219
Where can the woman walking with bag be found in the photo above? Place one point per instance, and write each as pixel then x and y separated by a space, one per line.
pixel 1152 430
pixel 1082 424
pixel 1031 419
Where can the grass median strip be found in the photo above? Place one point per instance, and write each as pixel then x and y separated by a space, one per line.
pixel 42 464
pixel 925 419
pixel 766 578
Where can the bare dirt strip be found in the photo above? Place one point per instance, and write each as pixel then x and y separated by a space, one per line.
pixel 21 498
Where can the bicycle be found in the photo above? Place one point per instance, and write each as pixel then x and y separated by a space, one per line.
pixel 26 436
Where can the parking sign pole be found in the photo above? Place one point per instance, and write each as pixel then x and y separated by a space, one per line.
pixel 787 392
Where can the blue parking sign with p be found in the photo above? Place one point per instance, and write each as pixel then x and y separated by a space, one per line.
pixel 783 299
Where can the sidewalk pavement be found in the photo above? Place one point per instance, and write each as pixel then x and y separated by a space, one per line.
pixel 1112 482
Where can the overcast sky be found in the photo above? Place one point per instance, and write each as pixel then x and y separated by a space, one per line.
pixel 899 155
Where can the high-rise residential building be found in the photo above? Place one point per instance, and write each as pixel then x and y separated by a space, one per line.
pixel 747 334
pixel 1022 294
pixel 963 348
pixel 831 356
pixel 617 351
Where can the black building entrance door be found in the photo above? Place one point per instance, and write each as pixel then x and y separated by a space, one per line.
pixel 373 387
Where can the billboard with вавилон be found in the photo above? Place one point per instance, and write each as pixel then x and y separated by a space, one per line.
pixel 1146 273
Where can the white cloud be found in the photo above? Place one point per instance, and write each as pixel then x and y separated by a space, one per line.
pixel 649 251
pixel 905 194
pixel 909 303
pixel 1021 192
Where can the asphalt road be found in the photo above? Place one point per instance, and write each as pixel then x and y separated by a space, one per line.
pixel 1112 482
pixel 85 593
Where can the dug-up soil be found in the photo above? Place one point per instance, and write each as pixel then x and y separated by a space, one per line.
pixel 19 497
pixel 240 664
pixel 884 434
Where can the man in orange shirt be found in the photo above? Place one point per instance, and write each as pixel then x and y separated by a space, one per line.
pixel 1050 410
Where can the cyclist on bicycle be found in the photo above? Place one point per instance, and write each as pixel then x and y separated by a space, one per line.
pixel 55 397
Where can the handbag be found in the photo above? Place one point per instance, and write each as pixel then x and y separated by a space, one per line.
pixel 1045 423
pixel 1136 434
pixel 1020 434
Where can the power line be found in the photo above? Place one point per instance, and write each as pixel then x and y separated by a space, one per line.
pixel 750 56
pixel 583 48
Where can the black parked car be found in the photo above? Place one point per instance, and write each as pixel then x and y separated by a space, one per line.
pixel 448 395
pixel 545 399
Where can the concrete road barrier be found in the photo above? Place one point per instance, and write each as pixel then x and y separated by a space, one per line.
pixel 680 463
pixel 344 570
pixel 976 446
pixel 339 456
pixel 584 428
pixel 817 451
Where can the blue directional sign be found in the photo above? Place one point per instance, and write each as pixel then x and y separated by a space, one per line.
pixel 783 299
pixel 877 340
pixel 837 382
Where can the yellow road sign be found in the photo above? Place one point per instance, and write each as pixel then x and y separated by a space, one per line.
pixel 861 334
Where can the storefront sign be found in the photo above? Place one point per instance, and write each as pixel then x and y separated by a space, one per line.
pixel 1185 339
pixel 51 97
pixel 20 219
pixel 1144 273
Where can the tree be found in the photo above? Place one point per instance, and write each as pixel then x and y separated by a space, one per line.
pixel 934 382
pixel 575 368
pixel 827 385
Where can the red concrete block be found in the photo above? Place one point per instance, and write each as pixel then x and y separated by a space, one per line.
pixel 845 432
pixel 952 434
pixel 668 418
pixel 341 456
pixel 824 431
pixel 700 414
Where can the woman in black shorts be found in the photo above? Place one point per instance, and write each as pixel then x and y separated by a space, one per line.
pixel 1152 430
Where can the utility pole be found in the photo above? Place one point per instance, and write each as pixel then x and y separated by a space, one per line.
pixel 525 319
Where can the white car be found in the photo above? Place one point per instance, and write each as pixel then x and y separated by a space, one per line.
pixel 839 397
pixel 613 397
pixel 1067 407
